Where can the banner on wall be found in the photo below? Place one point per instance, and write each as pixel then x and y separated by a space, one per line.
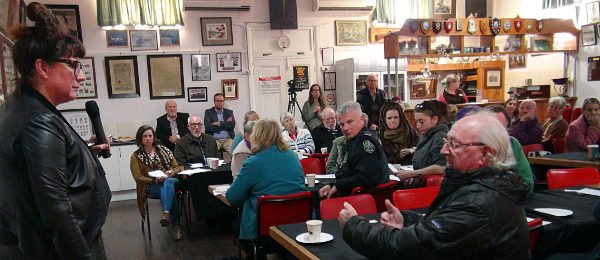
pixel 269 84
pixel 301 77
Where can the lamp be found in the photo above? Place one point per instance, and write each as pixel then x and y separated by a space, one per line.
pixel 563 86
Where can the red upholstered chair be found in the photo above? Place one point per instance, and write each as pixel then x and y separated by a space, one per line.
pixel 363 203
pixel 564 178
pixel 532 148
pixel 576 113
pixel 311 165
pixel 567 114
pixel 415 198
pixel 558 144
pixel 322 158
pixel 432 180
pixel 534 231
pixel 380 193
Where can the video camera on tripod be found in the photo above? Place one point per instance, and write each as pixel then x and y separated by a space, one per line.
pixel 293 88
pixel 292 101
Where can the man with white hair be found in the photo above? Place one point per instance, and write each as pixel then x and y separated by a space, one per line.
pixel 171 126
pixel 324 134
pixel 195 146
pixel 477 214
pixel 527 129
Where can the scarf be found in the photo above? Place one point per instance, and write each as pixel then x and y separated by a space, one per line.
pixel 161 160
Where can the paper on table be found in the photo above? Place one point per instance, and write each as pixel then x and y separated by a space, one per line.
pixel 543 221
pixel 221 162
pixel 325 176
pixel 394 167
pixel 587 191
pixel 192 171
pixel 196 165
pixel 220 189
pixel 407 168
pixel 157 174
pixel 394 178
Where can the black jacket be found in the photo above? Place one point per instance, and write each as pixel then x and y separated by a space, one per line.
pixel 370 107
pixel 324 136
pixel 53 191
pixel 163 128
pixel 475 216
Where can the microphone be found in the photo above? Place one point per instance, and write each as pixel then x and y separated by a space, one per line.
pixel 94 113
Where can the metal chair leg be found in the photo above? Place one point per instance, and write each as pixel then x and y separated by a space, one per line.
pixel 147 213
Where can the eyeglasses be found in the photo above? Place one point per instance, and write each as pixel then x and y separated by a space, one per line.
pixel 453 144
pixel 195 124
pixel 76 66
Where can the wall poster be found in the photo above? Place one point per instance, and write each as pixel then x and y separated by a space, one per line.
pixel 301 77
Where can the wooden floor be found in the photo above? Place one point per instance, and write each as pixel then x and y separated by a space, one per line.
pixel 124 239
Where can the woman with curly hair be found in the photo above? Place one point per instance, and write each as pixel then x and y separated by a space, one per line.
pixel 397 136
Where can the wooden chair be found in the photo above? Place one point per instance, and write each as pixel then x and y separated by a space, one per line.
pixel 311 165
pixel 532 148
pixel 567 114
pixel 564 178
pixel 558 144
pixel 415 198
pixel 534 231
pixel 363 203
pixel 576 113
pixel 432 180
pixel 380 193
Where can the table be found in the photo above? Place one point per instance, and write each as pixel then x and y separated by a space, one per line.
pixel 567 160
pixel 206 205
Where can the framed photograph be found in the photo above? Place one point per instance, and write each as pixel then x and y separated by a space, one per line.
pixel 69 14
pixel 229 88
pixel 588 35
pixel 476 7
pixel 87 88
pixel 593 11
pixel 517 61
pixel 493 78
pixel 350 32
pixel 197 94
pixel 80 121
pixel 165 76
pixel 328 56
pixel 143 40
pixel 329 80
pixel 444 9
pixel 227 62
pixel 200 67
pixel 8 71
pixel 216 31
pixel 122 77
pixel 422 88
pixel 169 37
pixel 117 39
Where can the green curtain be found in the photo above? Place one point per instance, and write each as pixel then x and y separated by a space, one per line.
pixel 420 9
pixel 133 12
pixel 385 11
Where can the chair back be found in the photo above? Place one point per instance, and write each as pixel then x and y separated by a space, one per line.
pixel 567 114
pixel 282 209
pixel 564 178
pixel 415 198
pixel 558 144
pixel 364 204
pixel 432 180
pixel 311 165
pixel 534 231
pixel 380 193
pixel 532 148
pixel 576 113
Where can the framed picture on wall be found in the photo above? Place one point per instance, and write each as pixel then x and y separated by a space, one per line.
pixel 143 40
pixel 122 77
pixel 229 88
pixel 444 9
pixel 80 121
pixel 87 88
pixel 165 76
pixel 117 39
pixel 493 78
pixel 216 31
pixel 422 88
pixel 350 32
pixel 200 67
pixel 69 14
pixel 588 35
pixel 593 11
pixel 228 62
pixel 329 80
pixel 197 94
pixel 169 37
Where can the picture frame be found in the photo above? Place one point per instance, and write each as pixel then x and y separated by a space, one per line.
pixel 216 31
pixel 229 62
pixel 328 56
pixel 201 67
pixel 493 78
pixel 443 9
pixel 422 88
pixel 350 32
pixel 70 16
pixel 79 121
pixel 229 88
pixel 169 37
pixel 8 70
pixel 588 35
pixel 88 87
pixel 198 94
pixel 165 76
pixel 329 80
pixel 593 11
pixel 517 61
pixel 143 40
pixel 117 39
pixel 122 79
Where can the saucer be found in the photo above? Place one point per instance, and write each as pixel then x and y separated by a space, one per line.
pixel 555 212
pixel 303 238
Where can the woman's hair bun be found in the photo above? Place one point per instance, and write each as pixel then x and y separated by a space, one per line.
pixel 45 21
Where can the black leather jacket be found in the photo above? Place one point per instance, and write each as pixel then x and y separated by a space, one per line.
pixel 475 216
pixel 53 192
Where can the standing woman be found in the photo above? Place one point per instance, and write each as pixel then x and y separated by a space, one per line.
pixel 53 191
pixel 153 157
pixel 452 93
pixel 512 107
pixel 311 110
pixel 397 136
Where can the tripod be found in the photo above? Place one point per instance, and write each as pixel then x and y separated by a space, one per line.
pixel 293 101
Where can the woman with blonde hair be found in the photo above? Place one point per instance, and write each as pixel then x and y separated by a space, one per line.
pixel 311 110
pixel 272 169
pixel 452 93
pixel 237 139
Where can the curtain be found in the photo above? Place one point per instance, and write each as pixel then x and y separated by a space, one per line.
pixel 551 4
pixel 134 12
pixel 396 11
pixel 385 11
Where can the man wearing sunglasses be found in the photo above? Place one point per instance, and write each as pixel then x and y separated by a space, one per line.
pixel 477 213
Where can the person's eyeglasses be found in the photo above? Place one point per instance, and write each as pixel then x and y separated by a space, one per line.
pixel 420 107
pixel 453 144
pixel 76 66
pixel 195 124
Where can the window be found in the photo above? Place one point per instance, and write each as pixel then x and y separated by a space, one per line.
pixel 139 12
pixel 551 4
pixel 395 12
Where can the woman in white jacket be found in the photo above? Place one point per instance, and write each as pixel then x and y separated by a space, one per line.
pixel 299 140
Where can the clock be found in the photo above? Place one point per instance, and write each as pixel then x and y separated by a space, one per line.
pixel 283 42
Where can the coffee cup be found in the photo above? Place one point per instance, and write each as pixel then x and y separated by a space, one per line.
pixel 324 150
pixel 310 179
pixel 300 155
pixel 592 150
pixel 212 163
pixel 314 230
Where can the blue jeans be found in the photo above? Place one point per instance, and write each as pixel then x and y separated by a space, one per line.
pixel 166 192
